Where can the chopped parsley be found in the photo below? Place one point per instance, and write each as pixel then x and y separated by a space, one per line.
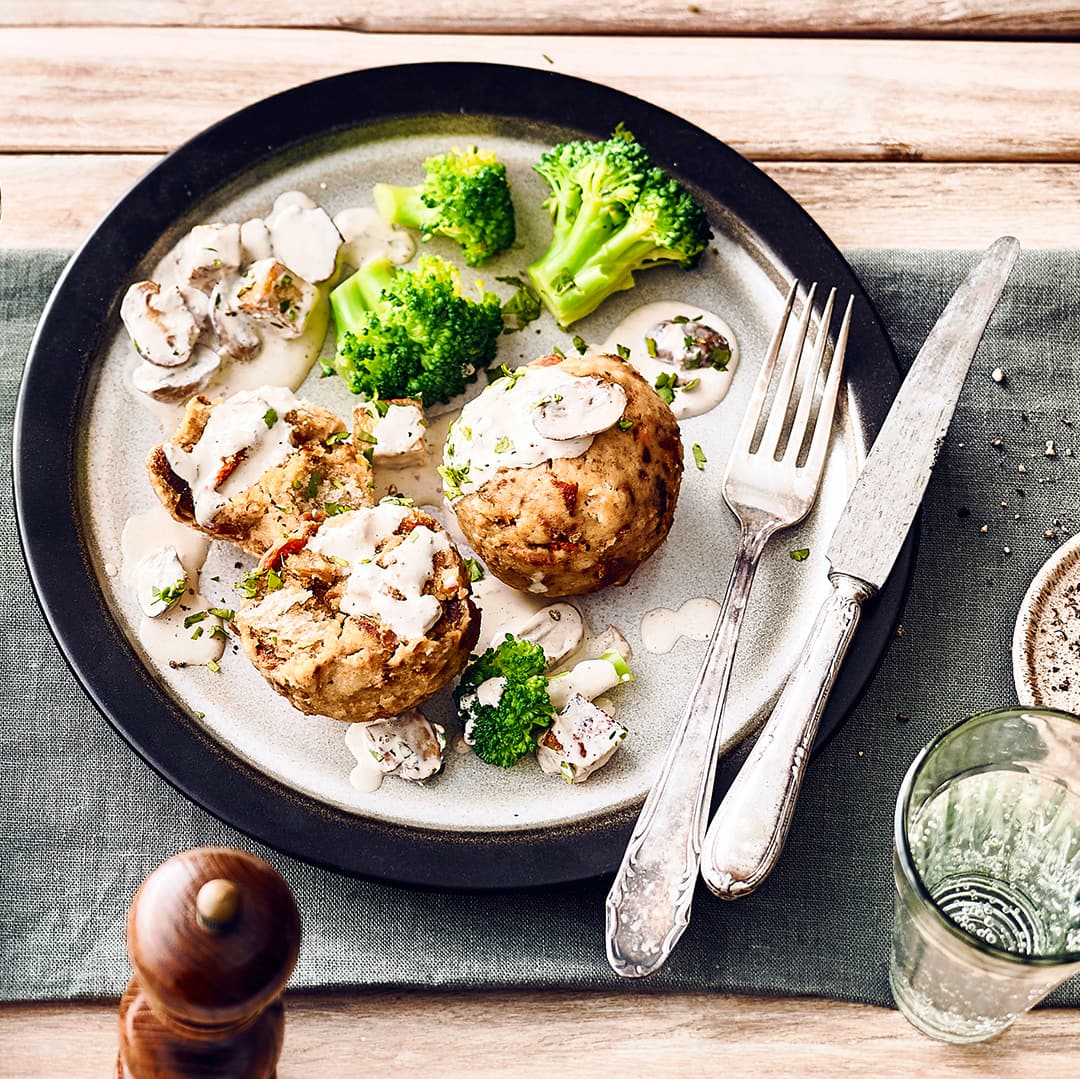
pixel 334 508
pixel 690 385
pixel 800 555
pixel 680 320
pixel 650 346
pixel 665 385
pixel 397 500
pixel 699 457
pixel 504 445
pixel 476 571
pixel 513 375
pixel 273 580
pixel 270 417
pixel 248 585
pixel 719 358
pixel 336 437
pixel 194 619
pixel 453 478
pixel 217 633
pixel 556 351
pixel 170 593
pixel 197 634
pixel 312 488
pixel 579 344
pixel 624 424
pixel 224 613
pixel 623 352
pixel 213 666
pixel 363 436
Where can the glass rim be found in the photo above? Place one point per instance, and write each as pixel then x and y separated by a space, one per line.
pixel 906 862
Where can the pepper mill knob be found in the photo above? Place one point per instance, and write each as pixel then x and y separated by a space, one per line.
pixel 213 936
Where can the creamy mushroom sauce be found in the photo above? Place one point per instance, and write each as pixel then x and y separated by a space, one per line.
pixel 165 637
pixel 390 586
pixel 661 628
pixel 497 429
pixel 642 323
pixel 398 433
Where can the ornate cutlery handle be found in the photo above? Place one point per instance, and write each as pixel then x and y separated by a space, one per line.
pixel 648 906
pixel 746 835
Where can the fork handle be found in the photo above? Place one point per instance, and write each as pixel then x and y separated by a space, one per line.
pixel 747 834
pixel 648 906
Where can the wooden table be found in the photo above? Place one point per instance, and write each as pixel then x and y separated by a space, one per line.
pixel 929 123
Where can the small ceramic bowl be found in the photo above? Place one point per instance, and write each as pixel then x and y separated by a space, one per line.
pixel 1046 640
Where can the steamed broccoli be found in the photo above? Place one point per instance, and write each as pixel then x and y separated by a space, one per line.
pixel 410 333
pixel 613 212
pixel 465 197
pixel 503 720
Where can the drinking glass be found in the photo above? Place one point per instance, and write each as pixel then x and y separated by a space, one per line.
pixel 986 861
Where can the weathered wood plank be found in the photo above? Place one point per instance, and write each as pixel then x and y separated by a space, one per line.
pixel 493 1034
pixel 54 200
pixel 774 99
pixel 1031 19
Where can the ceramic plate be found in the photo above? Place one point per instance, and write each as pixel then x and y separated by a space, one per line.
pixel 226 739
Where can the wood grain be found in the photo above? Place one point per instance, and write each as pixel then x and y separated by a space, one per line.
pixel 1034 19
pixel 146 90
pixel 531 1034
pixel 53 200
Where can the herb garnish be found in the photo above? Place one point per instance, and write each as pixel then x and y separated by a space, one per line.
pixel 665 386
pixel 624 424
pixel 171 593
pixel 579 344
pixel 800 555
pixel 270 417
pixel 699 457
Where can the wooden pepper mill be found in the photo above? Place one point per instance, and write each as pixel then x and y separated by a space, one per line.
pixel 213 936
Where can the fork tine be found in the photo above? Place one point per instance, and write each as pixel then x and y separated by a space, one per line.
pixel 806 401
pixel 752 415
pixel 815 458
pixel 770 438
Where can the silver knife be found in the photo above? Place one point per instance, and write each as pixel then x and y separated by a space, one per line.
pixel 745 837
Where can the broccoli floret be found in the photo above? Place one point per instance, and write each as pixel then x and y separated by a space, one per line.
pixel 526 700
pixel 503 733
pixel 466 197
pixel 613 212
pixel 410 333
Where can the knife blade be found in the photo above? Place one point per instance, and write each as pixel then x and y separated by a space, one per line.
pixel 745 838
pixel 882 506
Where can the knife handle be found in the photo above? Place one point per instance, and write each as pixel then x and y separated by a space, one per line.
pixel 747 834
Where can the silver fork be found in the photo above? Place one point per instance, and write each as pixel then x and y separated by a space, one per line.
pixel 770 484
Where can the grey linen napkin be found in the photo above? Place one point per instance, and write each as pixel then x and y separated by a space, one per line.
pixel 83 820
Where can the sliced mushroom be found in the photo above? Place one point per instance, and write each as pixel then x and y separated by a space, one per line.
pixel 582 739
pixel 558 629
pixel 407 744
pixel 198 303
pixel 583 407
pixel 305 239
pixel 255 240
pixel 177 383
pixel 160 580
pixel 237 335
pixel 273 294
pixel 162 327
pixel 207 255
pixel 689 345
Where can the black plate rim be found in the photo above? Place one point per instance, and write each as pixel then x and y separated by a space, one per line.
pixel 47 449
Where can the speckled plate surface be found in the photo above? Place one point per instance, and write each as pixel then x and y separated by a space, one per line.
pixel 227 740
pixel 1046 640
